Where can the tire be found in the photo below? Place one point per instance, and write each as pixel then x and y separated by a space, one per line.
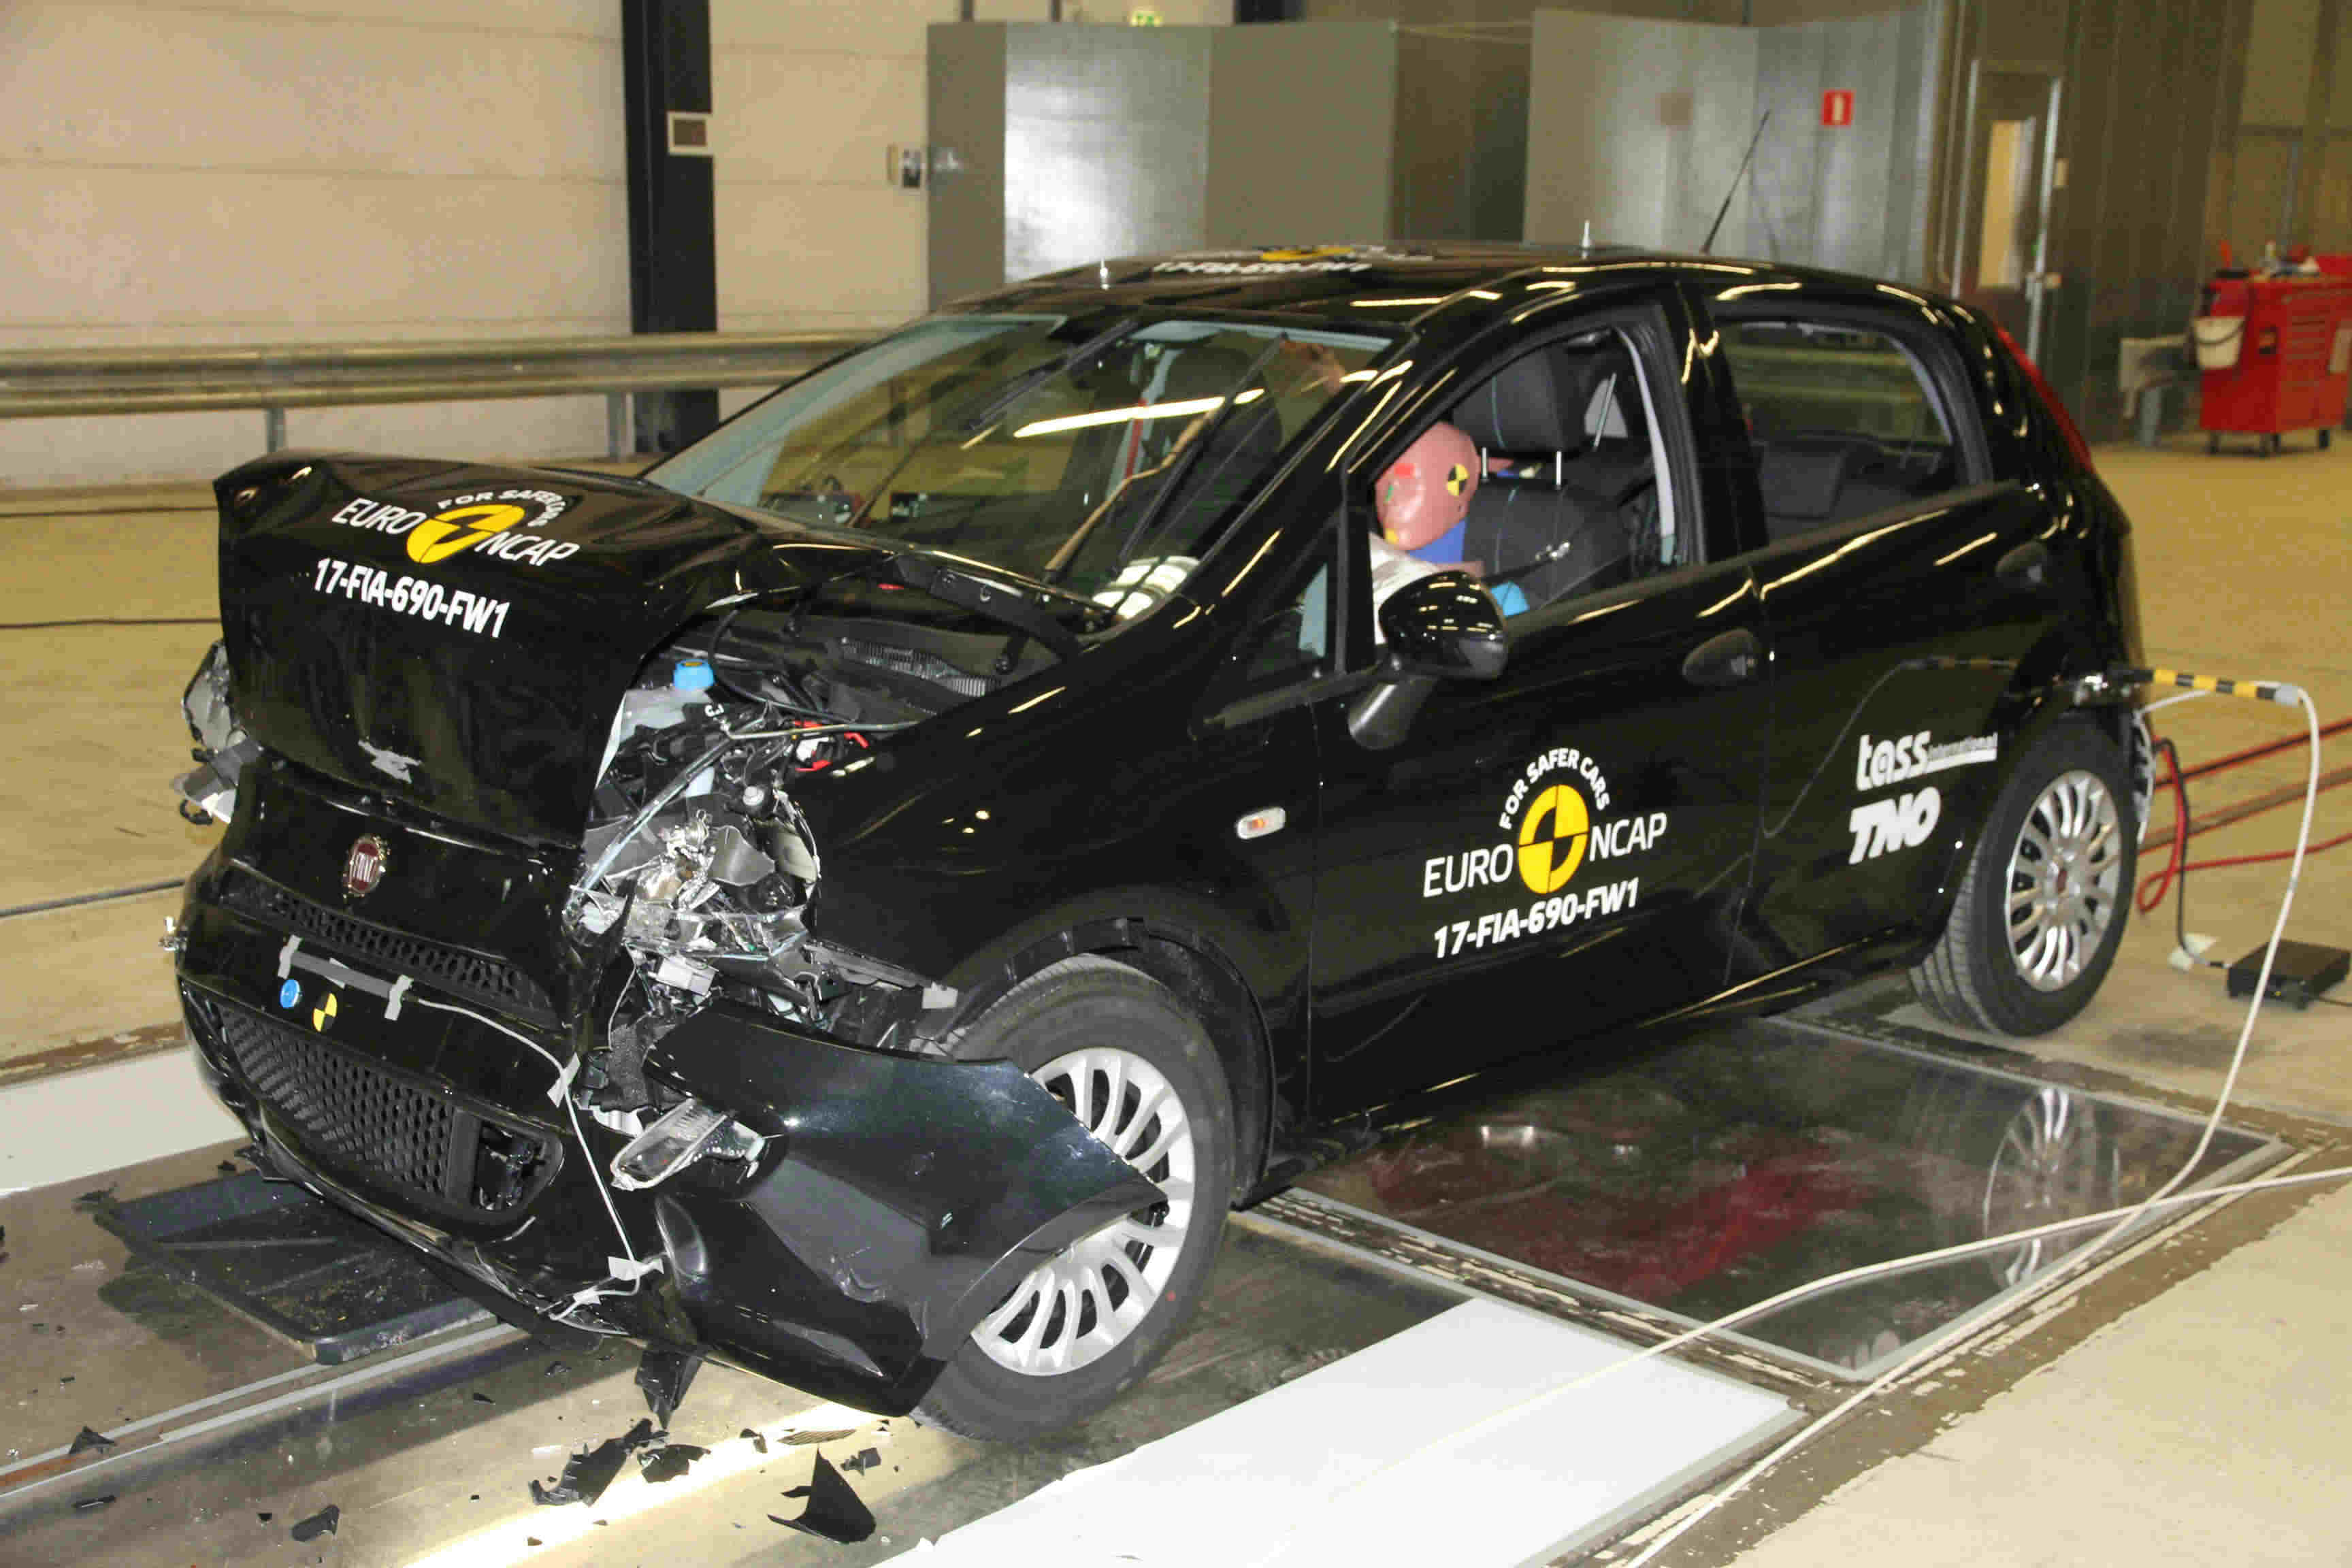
pixel 1041 1362
pixel 2029 974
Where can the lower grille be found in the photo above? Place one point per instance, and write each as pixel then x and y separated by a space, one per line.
pixel 360 1117
pixel 450 968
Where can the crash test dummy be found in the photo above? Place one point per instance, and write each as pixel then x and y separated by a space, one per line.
pixel 1421 502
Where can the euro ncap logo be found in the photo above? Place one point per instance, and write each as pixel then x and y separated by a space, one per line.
pixel 1553 836
pixel 460 529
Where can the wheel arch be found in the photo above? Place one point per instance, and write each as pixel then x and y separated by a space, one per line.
pixel 1191 957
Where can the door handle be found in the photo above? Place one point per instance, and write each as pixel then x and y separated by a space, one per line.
pixel 2027 566
pixel 1727 660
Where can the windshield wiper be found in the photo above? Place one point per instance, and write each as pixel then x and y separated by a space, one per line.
pixel 1027 608
pixel 1022 385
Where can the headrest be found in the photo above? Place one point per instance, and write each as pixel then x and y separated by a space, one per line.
pixel 1518 410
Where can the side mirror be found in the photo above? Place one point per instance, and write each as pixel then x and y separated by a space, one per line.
pixel 1445 625
pixel 1438 628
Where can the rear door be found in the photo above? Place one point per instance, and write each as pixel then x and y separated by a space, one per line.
pixel 1902 581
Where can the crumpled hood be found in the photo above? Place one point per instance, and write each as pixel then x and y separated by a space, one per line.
pixel 457 636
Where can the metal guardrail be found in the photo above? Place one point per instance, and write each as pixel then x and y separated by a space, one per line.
pixel 40 383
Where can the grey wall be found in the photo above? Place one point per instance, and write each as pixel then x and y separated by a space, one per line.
pixel 1460 144
pixel 1106 142
pixel 1638 127
pixel 1301 123
pixel 1853 197
pixel 966 94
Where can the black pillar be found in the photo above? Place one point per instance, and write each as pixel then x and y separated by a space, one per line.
pixel 673 245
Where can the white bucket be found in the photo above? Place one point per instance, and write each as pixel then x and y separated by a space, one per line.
pixel 2218 339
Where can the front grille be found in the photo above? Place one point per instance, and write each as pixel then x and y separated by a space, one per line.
pixel 359 1116
pixel 453 968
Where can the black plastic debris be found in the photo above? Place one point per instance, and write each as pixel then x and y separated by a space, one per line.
pixel 227 1168
pixel 670 1461
pixel 757 1441
pixel 481 1398
pixel 865 1460
pixel 554 1368
pixel 320 1523
pixel 834 1512
pixel 664 1376
pixel 94 1197
pixel 93 1504
pixel 265 1517
pixel 532 1541
pixel 586 1475
pixel 86 1440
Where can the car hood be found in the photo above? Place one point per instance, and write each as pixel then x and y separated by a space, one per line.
pixel 457 636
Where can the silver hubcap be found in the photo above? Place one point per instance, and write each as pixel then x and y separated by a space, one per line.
pixel 2062 880
pixel 2052 1165
pixel 1084 1301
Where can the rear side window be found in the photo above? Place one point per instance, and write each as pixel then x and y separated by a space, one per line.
pixel 1846 422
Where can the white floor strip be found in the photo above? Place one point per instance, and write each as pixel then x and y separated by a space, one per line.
pixel 77 1124
pixel 1372 1459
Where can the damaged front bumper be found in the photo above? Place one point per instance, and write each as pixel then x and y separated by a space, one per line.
pixel 893 1201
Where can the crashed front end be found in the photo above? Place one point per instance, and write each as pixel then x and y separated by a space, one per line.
pixel 508 949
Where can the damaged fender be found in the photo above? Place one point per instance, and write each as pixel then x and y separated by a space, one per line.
pixel 911 1194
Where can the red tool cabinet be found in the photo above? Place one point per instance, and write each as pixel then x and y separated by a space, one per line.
pixel 2275 354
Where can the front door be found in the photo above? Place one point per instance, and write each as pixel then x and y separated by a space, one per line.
pixel 1559 851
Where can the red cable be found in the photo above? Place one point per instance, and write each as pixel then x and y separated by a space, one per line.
pixel 2174 862
pixel 2275 855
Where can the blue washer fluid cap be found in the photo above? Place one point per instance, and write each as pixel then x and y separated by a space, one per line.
pixel 692 675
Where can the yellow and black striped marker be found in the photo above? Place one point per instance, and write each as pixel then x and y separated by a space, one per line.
pixel 2278 692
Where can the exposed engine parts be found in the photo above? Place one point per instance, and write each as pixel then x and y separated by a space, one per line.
pixel 699 865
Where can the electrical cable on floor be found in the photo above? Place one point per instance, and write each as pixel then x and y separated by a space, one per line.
pixel 1936 1344
pixel 2124 1219
pixel 44 906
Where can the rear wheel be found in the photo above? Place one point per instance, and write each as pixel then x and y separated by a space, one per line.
pixel 1121 1054
pixel 2040 910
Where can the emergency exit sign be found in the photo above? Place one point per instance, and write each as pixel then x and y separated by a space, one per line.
pixel 1837 107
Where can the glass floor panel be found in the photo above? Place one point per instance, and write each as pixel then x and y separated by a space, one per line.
pixel 1718 1172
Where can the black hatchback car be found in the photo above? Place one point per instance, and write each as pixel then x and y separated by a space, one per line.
pixel 864 900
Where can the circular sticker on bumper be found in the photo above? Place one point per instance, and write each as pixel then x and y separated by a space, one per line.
pixel 289 993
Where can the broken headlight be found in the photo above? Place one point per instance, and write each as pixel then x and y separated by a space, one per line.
pixel 208 791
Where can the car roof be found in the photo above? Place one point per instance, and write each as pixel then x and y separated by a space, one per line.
pixel 1341 287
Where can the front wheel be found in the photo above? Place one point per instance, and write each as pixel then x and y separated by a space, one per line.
pixel 2040 910
pixel 1122 1055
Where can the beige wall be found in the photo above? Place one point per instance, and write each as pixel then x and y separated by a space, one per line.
pixel 268 171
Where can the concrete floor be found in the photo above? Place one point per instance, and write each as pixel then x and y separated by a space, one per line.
pixel 2208 1419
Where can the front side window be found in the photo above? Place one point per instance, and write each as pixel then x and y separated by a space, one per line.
pixel 1564 487
pixel 1846 422
pixel 1103 456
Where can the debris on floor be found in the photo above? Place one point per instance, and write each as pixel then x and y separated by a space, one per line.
pixel 834 1512
pixel 86 1440
pixel 322 1523
pixel 94 1197
pixel 863 1461
pixel 757 1441
pixel 664 1376
pixel 802 1439
pixel 667 1462
pixel 93 1504
pixel 587 1473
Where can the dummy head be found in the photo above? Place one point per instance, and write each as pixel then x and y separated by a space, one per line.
pixel 1427 490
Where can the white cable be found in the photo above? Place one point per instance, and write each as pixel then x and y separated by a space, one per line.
pixel 2168 701
pixel 2125 1219
pixel 585 1152
pixel 1937 1344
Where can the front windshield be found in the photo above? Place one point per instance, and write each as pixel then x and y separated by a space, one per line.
pixel 1103 456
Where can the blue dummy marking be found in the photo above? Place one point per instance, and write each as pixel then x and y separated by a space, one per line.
pixel 289 993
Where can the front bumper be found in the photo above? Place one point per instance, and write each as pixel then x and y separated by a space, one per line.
pixel 896 1200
